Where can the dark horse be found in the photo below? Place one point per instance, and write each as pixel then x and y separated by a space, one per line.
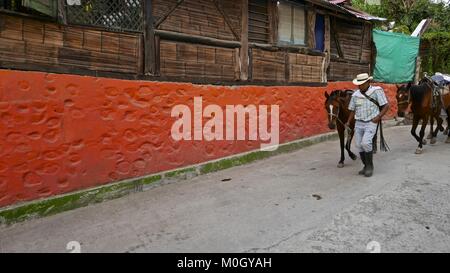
pixel 423 107
pixel 336 105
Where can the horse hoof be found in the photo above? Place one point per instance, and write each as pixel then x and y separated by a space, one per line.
pixel 433 140
pixel 340 165
pixel 424 142
pixel 448 140
pixel 419 151
pixel 354 157
pixel 446 132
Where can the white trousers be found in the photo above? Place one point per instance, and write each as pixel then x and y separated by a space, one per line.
pixel 364 134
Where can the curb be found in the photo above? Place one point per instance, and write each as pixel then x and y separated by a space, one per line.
pixel 66 202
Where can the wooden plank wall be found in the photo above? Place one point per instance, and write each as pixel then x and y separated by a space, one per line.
pixel 200 17
pixel 183 60
pixel 204 18
pixel 354 40
pixel 268 65
pixel 259 25
pixel 344 71
pixel 209 24
pixel 305 68
pixel 282 66
pixel 26 42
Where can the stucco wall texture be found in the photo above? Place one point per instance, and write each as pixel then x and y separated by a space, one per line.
pixel 62 133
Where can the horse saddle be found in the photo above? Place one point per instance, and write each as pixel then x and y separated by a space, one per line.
pixel 441 85
pixel 445 90
pixel 438 92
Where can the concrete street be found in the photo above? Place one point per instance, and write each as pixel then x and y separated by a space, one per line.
pixel 297 202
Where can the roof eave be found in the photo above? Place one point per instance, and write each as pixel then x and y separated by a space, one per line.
pixel 346 10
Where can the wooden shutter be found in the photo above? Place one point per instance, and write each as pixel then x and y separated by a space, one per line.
pixel 285 22
pixel 258 21
pixel 299 26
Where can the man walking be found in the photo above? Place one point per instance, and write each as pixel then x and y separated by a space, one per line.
pixel 368 106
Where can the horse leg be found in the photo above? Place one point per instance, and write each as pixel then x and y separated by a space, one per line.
pixel 448 124
pixel 447 131
pixel 433 136
pixel 422 135
pixel 430 135
pixel 441 125
pixel 348 146
pixel 440 121
pixel 414 129
pixel 342 143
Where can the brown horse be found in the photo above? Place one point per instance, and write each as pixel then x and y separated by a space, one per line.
pixel 424 109
pixel 336 105
pixel 446 106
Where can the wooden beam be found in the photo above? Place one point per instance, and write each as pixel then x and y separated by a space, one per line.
pixel 62 15
pixel 336 38
pixel 141 57
pixel 165 16
pixel 339 60
pixel 273 21
pixel 133 76
pixel 311 28
pixel 227 20
pixel 194 39
pixel 250 67
pixel 344 17
pixel 244 42
pixel 157 55
pixel 237 69
pixel 149 40
pixel 290 49
pixel 418 69
pixel 327 47
pixel 287 67
pixel 363 38
pixel 373 56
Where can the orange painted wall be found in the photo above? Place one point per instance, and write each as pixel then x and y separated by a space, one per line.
pixel 61 133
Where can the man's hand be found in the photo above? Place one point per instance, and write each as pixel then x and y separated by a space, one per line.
pixel 376 120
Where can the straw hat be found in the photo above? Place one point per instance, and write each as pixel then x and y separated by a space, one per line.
pixel 361 79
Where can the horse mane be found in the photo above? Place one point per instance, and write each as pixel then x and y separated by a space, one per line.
pixel 334 94
pixel 338 93
pixel 418 92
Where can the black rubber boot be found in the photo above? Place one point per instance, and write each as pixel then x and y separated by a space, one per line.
pixel 369 166
pixel 363 159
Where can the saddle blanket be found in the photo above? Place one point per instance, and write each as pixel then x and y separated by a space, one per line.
pixel 446 90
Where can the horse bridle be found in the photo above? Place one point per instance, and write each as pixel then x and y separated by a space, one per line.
pixel 406 101
pixel 337 116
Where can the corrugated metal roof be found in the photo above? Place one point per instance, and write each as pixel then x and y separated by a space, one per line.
pixel 361 14
pixel 342 6
pixel 337 1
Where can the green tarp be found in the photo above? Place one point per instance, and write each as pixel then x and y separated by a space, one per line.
pixel 396 57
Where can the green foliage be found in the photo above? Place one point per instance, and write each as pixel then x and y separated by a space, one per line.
pixel 436 57
pixel 407 14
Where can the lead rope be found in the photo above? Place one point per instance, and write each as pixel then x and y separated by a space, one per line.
pixel 349 130
pixel 383 144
